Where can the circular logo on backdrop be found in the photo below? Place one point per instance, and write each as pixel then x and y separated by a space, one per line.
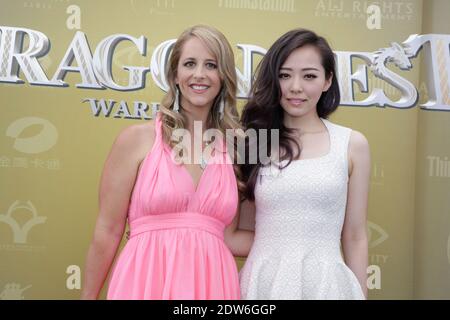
pixel 42 141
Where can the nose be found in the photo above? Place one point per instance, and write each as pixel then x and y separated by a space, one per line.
pixel 199 72
pixel 296 85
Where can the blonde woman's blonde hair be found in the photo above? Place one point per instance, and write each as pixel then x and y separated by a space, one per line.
pixel 219 46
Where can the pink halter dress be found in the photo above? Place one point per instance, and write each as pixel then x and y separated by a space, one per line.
pixel 176 248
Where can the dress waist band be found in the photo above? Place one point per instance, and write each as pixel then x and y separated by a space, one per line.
pixel 192 220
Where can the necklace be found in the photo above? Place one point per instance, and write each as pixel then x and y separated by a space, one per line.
pixel 203 161
pixel 312 132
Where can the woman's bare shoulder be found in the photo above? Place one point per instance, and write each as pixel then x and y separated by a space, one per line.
pixel 358 142
pixel 136 140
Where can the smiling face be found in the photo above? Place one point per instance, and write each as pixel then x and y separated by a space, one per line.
pixel 302 80
pixel 197 75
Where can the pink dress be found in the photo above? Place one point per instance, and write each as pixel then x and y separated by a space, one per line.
pixel 176 248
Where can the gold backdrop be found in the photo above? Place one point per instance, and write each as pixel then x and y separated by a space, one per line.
pixel 53 146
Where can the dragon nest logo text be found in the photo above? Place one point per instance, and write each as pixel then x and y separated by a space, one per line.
pixel 95 70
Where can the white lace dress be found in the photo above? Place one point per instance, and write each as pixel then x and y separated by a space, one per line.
pixel 299 217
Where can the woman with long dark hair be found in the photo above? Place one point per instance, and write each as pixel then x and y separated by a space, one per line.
pixel 311 199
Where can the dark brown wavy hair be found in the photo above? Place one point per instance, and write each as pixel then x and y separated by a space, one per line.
pixel 263 110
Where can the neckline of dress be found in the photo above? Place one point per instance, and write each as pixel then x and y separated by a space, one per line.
pixel 322 157
pixel 217 147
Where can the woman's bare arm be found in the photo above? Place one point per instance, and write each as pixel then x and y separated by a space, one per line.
pixel 238 239
pixel 354 233
pixel 116 185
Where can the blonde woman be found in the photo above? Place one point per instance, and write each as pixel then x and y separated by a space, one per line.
pixel 180 213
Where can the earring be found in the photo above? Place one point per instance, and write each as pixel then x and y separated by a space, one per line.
pixel 176 103
pixel 221 106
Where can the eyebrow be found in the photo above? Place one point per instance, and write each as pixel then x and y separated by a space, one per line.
pixel 304 69
pixel 207 60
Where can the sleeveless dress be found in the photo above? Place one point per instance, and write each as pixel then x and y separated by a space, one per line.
pixel 299 218
pixel 176 248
